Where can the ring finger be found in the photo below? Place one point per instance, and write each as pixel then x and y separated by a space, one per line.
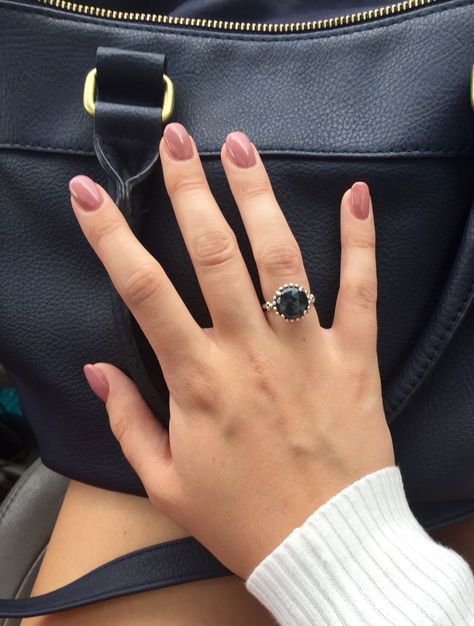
pixel 274 246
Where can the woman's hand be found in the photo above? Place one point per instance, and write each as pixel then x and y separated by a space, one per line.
pixel 269 419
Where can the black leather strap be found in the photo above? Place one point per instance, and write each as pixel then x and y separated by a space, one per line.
pixel 127 133
pixel 169 563
pixel 127 120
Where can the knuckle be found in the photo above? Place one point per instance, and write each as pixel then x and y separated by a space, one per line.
pixel 283 259
pixel 143 283
pixel 106 229
pixel 362 293
pixel 119 424
pixel 361 378
pixel 215 248
pixel 257 190
pixel 185 185
pixel 356 382
pixel 357 371
pixel 261 376
pixel 360 241
pixel 202 391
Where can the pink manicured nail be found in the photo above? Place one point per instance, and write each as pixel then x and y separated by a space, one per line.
pixel 86 192
pixel 97 381
pixel 360 200
pixel 240 149
pixel 178 141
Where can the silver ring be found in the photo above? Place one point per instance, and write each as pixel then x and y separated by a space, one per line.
pixel 291 302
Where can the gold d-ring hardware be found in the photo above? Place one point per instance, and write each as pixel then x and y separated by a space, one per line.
pixel 472 87
pixel 89 95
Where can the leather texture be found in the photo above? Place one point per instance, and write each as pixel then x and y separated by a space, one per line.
pixel 386 102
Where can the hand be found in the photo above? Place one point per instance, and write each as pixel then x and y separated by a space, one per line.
pixel 268 419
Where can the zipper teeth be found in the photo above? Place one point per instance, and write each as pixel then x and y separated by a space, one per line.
pixel 333 22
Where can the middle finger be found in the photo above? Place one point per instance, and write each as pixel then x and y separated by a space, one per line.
pixel 211 243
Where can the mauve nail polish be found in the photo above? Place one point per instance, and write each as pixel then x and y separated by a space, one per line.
pixel 360 200
pixel 97 381
pixel 240 149
pixel 178 141
pixel 85 192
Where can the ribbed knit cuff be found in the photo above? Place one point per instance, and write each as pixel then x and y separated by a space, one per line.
pixel 363 558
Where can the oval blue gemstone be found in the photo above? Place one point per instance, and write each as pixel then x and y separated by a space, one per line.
pixel 291 302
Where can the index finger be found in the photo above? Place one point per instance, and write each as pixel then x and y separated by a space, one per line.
pixel 138 277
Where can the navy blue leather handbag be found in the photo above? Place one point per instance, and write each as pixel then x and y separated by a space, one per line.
pixel 329 94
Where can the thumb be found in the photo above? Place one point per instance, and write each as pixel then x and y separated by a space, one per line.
pixel 142 437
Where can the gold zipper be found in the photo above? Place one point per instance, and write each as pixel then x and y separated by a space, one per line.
pixel 285 27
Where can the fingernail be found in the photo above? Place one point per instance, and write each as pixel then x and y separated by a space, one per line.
pixel 178 141
pixel 86 192
pixel 360 200
pixel 97 381
pixel 240 148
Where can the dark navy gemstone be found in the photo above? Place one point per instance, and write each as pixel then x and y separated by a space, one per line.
pixel 291 302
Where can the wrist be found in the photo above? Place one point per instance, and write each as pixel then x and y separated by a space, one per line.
pixel 363 550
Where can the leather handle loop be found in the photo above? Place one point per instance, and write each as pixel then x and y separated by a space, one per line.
pixel 127 120
pixel 127 132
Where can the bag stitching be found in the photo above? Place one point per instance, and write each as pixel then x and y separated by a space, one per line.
pixel 464 152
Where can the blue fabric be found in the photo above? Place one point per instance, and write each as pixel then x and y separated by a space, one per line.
pixel 12 416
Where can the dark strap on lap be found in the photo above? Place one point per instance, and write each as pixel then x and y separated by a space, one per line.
pixel 165 564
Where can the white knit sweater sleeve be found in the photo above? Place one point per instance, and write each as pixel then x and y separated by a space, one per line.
pixel 363 558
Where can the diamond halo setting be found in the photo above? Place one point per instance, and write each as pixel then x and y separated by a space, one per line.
pixel 291 302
